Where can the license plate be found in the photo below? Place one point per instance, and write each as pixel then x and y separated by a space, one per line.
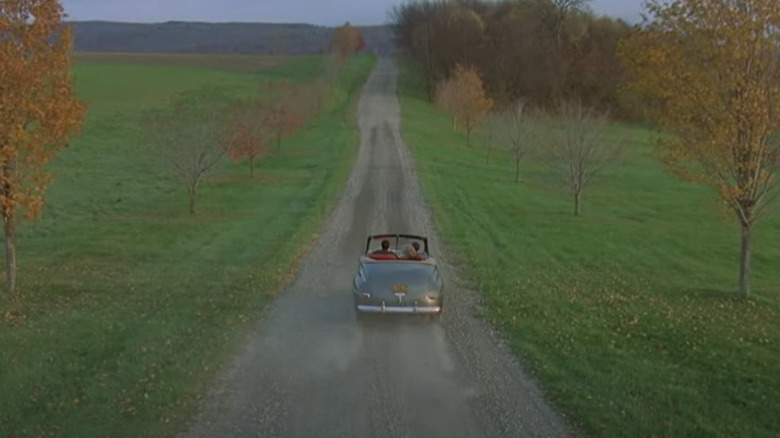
pixel 399 288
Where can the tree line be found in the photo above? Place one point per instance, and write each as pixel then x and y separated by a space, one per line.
pixel 538 50
pixel 540 78
pixel 568 137
pixel 196 129
pixel 191 133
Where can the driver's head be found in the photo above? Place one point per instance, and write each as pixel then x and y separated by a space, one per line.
pixel 385 245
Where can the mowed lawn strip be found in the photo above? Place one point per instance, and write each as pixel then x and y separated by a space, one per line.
pixel 130 305
pixel 628 315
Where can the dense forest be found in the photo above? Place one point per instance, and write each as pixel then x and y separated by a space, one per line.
pixel 538 50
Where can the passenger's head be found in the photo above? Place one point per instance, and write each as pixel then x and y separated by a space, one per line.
pixel 416 245
pixel 385 245
pixel 411 252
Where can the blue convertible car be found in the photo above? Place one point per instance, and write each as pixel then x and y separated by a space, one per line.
pixel 396 274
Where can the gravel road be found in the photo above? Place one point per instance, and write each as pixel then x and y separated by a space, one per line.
pixel 310 370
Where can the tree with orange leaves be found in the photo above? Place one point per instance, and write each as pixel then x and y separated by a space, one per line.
pixel 247 135
pixel 347 40
pixel 38 108
pixel 465 99
pixel 710 73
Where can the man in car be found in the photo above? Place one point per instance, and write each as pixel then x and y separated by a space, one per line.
pixel 385 248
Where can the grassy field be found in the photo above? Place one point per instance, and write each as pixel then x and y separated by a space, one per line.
pixel 628 315
pixel 240 63
pixel 129 303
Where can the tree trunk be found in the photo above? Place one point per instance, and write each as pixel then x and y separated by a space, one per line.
pixel 191 194
pixel 10 251
pixel 429 61
pixel 278 141
pixel 577 196
pixel 251 167
pixel 744 260
pixel 517 170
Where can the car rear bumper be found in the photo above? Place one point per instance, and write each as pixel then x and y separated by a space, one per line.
pixel 398 309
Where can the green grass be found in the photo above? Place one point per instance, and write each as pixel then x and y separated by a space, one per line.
pixel 129 303
pixel 628 314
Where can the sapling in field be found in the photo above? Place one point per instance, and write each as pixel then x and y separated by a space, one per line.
pixel 518 129
pixel 245 136
pixel 187 136
pixel 576 147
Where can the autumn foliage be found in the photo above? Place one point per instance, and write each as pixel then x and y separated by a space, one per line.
pixel 246 137
pixel 709 72
pixel 197 128
pixel 347 40
pixel 463 96
pixel 38 105
pixel 539 51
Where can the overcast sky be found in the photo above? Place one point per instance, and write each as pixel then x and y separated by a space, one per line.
pixel 325 12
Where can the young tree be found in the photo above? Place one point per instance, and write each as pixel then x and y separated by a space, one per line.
pixel 347 40
pixel 245 135
pixel 445 100
pixel 517 131
pixel 187 134
pixel 577 148
pixel 469 103
pixel 38 109
pixel 710 72
pixel 282 118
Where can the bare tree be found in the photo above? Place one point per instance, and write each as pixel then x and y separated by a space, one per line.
pixel 577 148
pixel 517 131
pixel 445 100
pixel 555 13
pixel 187 135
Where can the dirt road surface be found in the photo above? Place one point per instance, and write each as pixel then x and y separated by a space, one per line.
pixel 310 370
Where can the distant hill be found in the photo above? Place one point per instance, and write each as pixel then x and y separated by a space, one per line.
pixel 224 38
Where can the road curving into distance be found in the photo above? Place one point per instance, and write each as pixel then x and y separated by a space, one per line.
pixel 310 370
